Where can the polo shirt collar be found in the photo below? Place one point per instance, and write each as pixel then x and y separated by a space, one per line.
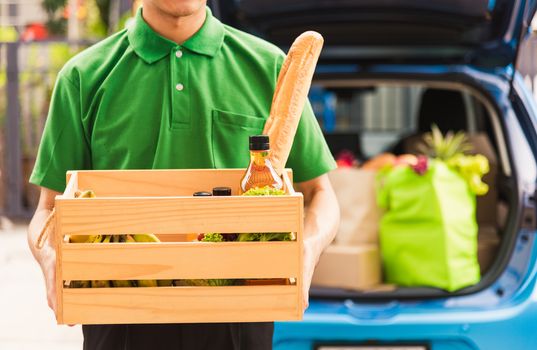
pixel 151 46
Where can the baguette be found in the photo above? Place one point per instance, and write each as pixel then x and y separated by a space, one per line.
pixel 290 95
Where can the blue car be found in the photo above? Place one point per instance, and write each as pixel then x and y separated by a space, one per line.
pixel 390 69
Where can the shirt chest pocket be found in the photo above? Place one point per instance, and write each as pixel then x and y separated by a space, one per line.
pixel 230 132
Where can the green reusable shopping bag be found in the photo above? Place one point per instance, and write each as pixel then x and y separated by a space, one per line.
pixel 428 234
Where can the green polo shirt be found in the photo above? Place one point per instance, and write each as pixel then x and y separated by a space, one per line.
pixel 139 101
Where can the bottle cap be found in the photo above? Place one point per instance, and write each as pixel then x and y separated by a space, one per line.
pixel 259 143
pixel 202 194
pixel 221 191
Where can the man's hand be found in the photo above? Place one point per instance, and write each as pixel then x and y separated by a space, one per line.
pixel 48 266
pixel 46 256
pixel 320 226
pixel 309 266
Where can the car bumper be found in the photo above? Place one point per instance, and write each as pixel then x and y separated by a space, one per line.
pixel 508 328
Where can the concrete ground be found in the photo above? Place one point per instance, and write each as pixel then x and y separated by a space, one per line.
pixel 26 322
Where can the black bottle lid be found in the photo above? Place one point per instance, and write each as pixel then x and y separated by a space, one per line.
pixel 221 191
pixel 259 143
pixel 202 194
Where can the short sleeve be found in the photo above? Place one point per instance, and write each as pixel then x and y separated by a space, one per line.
pixel 64 145
pixel 310 156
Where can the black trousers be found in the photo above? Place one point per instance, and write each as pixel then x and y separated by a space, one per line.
pixel 210 336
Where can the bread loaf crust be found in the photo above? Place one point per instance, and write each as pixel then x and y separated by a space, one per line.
pixel 290 95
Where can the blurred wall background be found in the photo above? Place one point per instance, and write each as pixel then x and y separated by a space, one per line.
pixel 37 37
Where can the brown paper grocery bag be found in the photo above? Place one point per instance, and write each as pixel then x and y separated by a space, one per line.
pixel 360 215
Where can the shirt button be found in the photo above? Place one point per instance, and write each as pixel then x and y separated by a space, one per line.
pixel 178 53
pixel 179 87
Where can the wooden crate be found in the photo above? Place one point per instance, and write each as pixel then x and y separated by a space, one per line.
pixel 161 202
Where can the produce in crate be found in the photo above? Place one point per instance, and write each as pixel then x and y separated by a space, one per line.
pixel 271 299
pixel 49 224
pixel 207 237
pixel 290 95
pixel 81 238
pixel 101 283
pixel 241 237
pixel 268 236
pixel 265 237
pixel 122 283
pixel 151 238
pixel 112 239
pixel 118 283
pixel 147 238
pixel 264 191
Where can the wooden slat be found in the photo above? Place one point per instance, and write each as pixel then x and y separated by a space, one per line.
pixel 288 183
pixel 174 215
pixel 133 261
pixel 300 258
pixel 189 304
pixel 57 241
pixel 180 182
pixel 72 186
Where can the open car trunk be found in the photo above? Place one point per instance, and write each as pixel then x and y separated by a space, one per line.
pixel 365 117
pixel 366 112
pixel 478 32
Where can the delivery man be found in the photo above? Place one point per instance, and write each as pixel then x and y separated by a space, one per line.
pixel 177 89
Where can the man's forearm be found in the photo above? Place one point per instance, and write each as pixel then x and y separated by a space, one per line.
pixel 322 220
pixel 44 208
pixel 34 229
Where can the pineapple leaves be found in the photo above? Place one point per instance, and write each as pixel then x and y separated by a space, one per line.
pixel 436 145
pixel 452 149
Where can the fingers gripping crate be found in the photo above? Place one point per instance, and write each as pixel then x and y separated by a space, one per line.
pixel 161 202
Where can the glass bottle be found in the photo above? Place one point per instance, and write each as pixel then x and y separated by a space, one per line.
pixel 260 172
pixel 193 237
pixel 202 194
pixel 224 192
pixel 221 191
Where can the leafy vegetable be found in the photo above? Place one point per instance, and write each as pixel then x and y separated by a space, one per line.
pixel 249 237
pixel 259 236
pixel 444 147
pixel 212 237
pixel 264 191
pixel 217 237
pixel 208 237
pixel 265 237
pixel 287 236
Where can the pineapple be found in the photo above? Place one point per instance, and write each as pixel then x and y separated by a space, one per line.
pixel 443 147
